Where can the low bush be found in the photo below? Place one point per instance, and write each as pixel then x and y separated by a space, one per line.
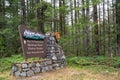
pixel 5 63
pixel 98 60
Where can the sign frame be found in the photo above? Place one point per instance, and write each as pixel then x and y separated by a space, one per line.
pixel 32 48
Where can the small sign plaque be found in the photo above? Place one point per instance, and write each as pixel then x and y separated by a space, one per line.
pixel 33 43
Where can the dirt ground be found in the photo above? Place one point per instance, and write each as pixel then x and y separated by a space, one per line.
pixel 69 74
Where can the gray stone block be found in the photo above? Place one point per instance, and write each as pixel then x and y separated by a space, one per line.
pixel 52 47
pixel 32 64
pixel 30 73
pixel 24 65
pixel 17 73
pixel 49 62
pixel 14 68
pixel 63 57
pixel 33 68
pixel 23 74
pixel 47 68
pixel 55 65
pixel 50 67
pixel 43 69
pixel 51 51
pixel 38 65
pixel 20 69
pixel 44 63
pixel 54 57
pixel 26 69
pixel 12 73
pixel 37 70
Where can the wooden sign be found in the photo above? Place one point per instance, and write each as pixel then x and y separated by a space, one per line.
pixel 33 43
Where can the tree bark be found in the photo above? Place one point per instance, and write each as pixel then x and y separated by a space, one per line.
pixel 76 29
pixel 40 16
pixel 95 18
pixel 64 21
pixel 104 41
pixel 118 25
pixel 24 21
pixel 71 6
pixel 61 17
pixel 2 13
pixel 54 19
pixel 87 40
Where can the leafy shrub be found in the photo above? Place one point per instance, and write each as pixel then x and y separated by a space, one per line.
pixel 8 42
pixel 98 60
pixel 81 61
pixel 2 78
pixel 115 62
pixel 5 63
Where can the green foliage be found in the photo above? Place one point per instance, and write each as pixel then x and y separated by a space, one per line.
pixel 8 42
pixel 5 63
pixel 118 5
pixel 116 62
pixel 80 61
pixel 95 2
pixel 75 37
pixel 94 61
pixel 3 78
pixel 96 64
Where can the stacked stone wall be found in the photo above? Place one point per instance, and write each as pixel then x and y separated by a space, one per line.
pixel 54 59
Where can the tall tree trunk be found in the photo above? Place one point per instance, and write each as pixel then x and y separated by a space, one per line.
pixel 75 6
pixel 40 15
pixel 76 28
pixel 64 21
pixel 104 38
pixel 109 30
pixel 114 28
pixel 2 13
pixel 4 8
pixel 118 25
pixel 54 19
pixel 71 6
pixel 39 21
pixel 27 7
pixel 87 40
pixel 95 18
pixel 100 29
pixel 84 27
pixel 61 17
pixel 83 9
pixel 24 22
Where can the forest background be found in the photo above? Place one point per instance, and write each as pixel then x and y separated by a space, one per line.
pixel 87 27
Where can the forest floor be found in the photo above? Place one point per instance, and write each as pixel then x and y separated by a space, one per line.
pixel 68 73
pixel 78 68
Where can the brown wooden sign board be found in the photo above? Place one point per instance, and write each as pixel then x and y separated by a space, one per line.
pixel 32 48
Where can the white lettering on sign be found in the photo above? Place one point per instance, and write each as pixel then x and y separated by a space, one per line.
pixel 36 52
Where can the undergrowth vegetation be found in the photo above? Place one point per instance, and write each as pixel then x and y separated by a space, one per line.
pixel 88 62
pixel 94 65
pixel 6 63
pixel 97 60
